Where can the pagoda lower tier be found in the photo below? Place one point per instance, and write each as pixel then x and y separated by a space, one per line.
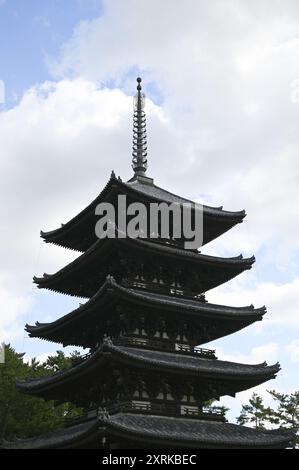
pixel 119 373
pixel 154 265
pixel 79 234
pixel 137 316
pixel 136 430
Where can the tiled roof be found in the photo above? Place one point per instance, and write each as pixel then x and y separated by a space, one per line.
pixel 195 433
pixel 159 362
pixel 66 438
pixel 150 429
pixel 217 220
pixel 111 290
pixel 224 268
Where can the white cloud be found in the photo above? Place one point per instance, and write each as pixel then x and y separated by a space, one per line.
pixel 58 147
pixel 2 92
pixel 226 131
pixel 282 300
pixel 229 87
pixel 242 398
pixel 68 135
pixel 271 353
pixel 13 309
pixel 41 358
pixel 293 350
pixel 268 352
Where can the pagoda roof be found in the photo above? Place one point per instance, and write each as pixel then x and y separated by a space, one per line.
pixel 192 433
pixel 93 311
pixel 239 376
pixel 72 278
pixel 80 435
pixel 78 233
pixel 139 429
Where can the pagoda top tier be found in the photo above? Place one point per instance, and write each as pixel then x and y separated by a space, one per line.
pixel 79 233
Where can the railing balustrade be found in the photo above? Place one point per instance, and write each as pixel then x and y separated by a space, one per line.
pixel 163 409
pixel 160 288
pixel 161 345
pixel 157 345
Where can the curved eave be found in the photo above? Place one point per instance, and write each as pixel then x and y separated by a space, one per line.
pixel 81 435
pixel 152 193
pixel 206 368
pixel 100 247
pixel 157 361
pixel 51 235
pixel 137 429
pixel 112 290
pixel 179 432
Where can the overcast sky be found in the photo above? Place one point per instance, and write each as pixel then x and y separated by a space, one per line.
pixel 222 85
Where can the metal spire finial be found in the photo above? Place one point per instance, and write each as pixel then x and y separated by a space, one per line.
pixel 139 133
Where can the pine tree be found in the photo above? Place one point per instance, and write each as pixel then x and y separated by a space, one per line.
pixel 284 416
pixel 25 416
pixel 254 413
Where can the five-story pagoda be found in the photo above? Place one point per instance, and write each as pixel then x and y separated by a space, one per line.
pixel 145 381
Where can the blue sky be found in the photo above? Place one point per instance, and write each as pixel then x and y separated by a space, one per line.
pixel 31 32
pixel 222 81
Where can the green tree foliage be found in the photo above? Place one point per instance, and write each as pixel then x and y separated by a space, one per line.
pixel 24 416
pixel 284 415
pixel 254 413
pixel 221 409
pixel 60 361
